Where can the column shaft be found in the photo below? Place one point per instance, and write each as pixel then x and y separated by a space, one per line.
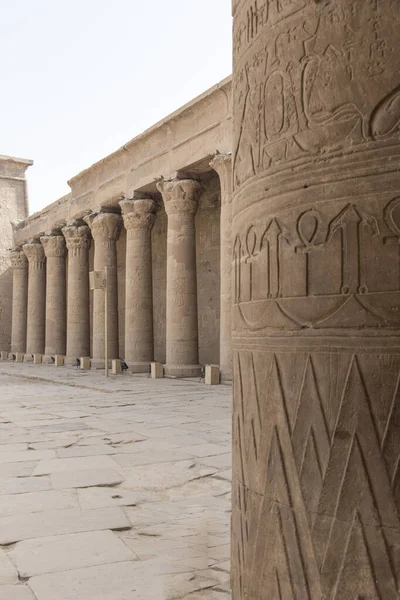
pixel 77 238
pixel 105 228
pixel 36 298
pixel 19 265
pixel 138 220
pixel 54 248
pixel 222 163
pixel 180 200
pixel 316 325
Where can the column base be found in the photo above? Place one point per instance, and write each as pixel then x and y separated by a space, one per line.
pixel 182 370
pixel 28 358
pixel 138 367
pixel 99 363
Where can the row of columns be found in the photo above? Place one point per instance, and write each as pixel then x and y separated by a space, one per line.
pixel 51 308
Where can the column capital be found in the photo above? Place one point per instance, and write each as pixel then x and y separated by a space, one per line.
pixel 105 227
pixel 138 214
pixel 180 196
pixel 222 164
pixel 34 252
pixel 53 245
pixel 18 259
pixel 77 238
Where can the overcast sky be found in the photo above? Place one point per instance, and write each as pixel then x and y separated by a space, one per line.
pixel 79 78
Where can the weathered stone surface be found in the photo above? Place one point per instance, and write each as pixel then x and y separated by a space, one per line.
pixel 22 485
pixel 56 522
pixel 68 552
pixel 316 296
pixel 83 478
pixel 165 475
pixel 14 504
pixel 8 573
pixel 16 592
pixel 83 463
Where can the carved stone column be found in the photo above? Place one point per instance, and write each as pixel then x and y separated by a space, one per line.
pixel 54 249
pixel 77 238
pixel 222 164
pixel 105 228
pixel 36 298
pixel 138 220
pixel 181 202
pixel 316 326
pixel 19 264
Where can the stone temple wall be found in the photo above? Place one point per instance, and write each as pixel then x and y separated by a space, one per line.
pixel 13 207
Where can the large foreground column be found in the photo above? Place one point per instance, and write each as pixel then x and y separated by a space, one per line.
pixel 36 298
pixel 54 249
pixel 77 238
pixel 105 228
pixel 317 297
pixel 138 220
pixel 19 264
pixel 181 201
pixel 222 164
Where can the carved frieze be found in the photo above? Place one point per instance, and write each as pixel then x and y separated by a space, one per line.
pixel 316 271
pixel 311 79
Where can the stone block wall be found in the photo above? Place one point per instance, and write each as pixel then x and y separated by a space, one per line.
pixel 13 207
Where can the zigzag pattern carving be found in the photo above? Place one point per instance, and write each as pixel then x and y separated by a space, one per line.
pixel 317 473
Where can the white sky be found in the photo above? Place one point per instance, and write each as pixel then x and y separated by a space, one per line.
pixel 79 78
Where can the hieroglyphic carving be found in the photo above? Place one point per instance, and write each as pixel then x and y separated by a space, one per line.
pixel 340 477
pixel 308 100
pixel 260 263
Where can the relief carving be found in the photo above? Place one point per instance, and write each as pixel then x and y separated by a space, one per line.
pixel 18 259
pixel 138 214
pixel 267 297
pixel 315 98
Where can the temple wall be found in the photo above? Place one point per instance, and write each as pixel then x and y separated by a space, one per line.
pixel 13 207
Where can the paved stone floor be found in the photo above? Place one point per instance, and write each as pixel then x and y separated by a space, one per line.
pixel 112 489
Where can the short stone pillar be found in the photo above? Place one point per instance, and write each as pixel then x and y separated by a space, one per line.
pixel 19 357
pixel 222 164
pixel 4 355
pixel 85 363
pixel 37 359
pixel 19 264
pixel 212 375
pixel 77 238
pixel 181 202
pixel 156 370
pixel 59 360
pixel 36 298
pixel 55 339
pixel 316 319
pixel 139 216
pixel 116 368
pixel 105 228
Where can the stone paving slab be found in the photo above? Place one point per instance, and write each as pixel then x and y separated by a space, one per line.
pixel 14 504
pixel 119 581
pixel 167 442
pixel 22 485
pixel 16 592
pixel 52 522
pixel 69 552
pixel 83 463
pixel 84 479
pixel 8 573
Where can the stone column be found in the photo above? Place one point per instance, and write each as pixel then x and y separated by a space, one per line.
pixel 19 264
pixel 222 164
pixel 181 202
pixel 316 325
pixel 139 217
pixel 36 298
pixel 77 238
pixel 105 228
pixel 54 249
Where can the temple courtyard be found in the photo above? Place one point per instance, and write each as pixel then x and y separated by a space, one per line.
pixel 112 489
